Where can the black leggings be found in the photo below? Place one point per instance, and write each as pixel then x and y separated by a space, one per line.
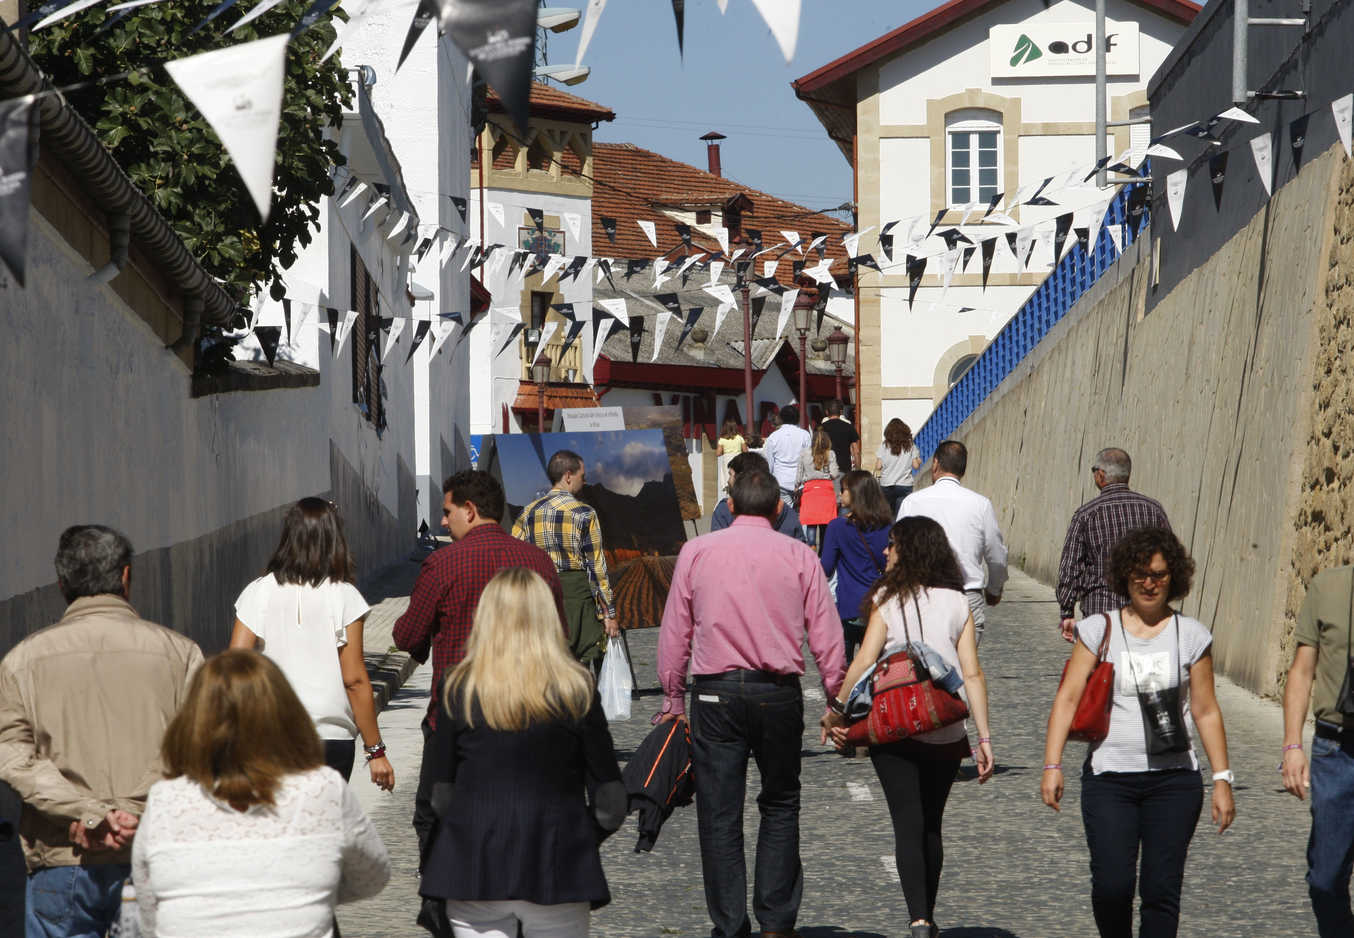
pixel 916 790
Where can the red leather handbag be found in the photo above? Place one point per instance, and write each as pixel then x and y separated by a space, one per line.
pixel 906 701
pixel 1091 723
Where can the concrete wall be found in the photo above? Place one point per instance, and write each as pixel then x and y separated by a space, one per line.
pixel 100 427
pixel 1232 395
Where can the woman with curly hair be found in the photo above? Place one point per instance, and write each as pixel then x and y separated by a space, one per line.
pixel 1141 793
pixel 896 463
pixel 921 598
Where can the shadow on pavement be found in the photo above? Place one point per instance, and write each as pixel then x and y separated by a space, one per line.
pixel 976 932
pixel 832 931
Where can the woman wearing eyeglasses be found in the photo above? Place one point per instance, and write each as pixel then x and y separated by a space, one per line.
pixel 306 615
pixel 1141 791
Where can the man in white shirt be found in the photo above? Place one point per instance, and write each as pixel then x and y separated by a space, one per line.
pixel 782 449
pixel 970 525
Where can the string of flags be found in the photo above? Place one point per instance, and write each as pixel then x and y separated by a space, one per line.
pixel 239 89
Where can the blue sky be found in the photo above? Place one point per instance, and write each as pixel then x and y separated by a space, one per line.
pixel 733 80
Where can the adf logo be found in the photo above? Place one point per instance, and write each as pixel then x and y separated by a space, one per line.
pixel 1025 51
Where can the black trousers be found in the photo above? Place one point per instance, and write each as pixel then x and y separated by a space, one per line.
pixel 732 718
pixel 339 755
pixel 1122 810
pixel 916 790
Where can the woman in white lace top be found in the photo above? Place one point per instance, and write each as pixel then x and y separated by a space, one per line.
pixel 251 834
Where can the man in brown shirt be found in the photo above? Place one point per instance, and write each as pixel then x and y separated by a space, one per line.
pixel 83 706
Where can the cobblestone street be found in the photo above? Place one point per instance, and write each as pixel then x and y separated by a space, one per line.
pixel 1013 867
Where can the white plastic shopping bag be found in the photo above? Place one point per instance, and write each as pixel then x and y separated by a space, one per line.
pixel 615 685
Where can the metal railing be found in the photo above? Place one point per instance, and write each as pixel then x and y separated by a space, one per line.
pixel 1070 278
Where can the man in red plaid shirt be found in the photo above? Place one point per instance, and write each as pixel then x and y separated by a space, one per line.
pixel 447 592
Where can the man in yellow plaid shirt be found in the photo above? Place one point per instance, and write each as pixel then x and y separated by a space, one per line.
pixel 568 530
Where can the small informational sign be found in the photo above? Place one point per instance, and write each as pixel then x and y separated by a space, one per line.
pixel 588 419
pixel 1059 50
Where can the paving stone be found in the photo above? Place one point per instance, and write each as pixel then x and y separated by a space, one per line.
pixel 1014 869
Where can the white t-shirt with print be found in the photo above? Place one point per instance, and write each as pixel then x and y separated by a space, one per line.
pixel 1157 667
pixel 301 627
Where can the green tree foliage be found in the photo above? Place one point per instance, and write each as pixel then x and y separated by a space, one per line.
pixel 172 154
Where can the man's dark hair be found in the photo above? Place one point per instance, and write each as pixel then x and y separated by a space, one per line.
pixel 312 548
pixel 745 461
pixel 755 492
pixel 1134 551
pixel 562 463
pixel 789 415
pixel 952 457
pixel 478 488
pixel 90 559
pixel 835 407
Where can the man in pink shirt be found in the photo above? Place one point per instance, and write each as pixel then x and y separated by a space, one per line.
pixel 740 603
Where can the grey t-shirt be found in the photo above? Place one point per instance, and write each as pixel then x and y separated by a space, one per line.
pixel 1157 666
pixel 896 470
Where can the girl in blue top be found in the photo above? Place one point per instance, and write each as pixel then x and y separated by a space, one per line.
pixel 853 548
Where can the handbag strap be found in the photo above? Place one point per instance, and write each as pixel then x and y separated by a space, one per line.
pixel 860 534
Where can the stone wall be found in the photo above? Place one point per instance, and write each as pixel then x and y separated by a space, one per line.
pixel 1216 393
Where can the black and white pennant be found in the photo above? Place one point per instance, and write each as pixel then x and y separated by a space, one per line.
pixel 16 123
pixel 499 38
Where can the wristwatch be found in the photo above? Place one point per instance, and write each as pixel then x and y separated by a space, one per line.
pixel 1225 776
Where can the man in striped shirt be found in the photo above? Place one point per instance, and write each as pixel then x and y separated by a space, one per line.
pixel 1096 527
pixel 569 532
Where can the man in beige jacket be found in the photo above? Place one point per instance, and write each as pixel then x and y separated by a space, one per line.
pixel 83 706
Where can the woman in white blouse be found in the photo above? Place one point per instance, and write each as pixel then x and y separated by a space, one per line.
pixel 250 834
pixel 306 615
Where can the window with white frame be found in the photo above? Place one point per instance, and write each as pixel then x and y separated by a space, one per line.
pixel 973 156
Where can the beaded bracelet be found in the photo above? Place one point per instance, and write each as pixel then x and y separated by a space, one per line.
pixel 1292 746
pixel 984 739
pixel 1056 765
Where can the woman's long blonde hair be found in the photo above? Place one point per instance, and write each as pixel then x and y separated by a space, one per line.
pixel 822 450
pixel 517 667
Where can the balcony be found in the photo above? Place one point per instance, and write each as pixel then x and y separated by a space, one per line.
pixel 565 367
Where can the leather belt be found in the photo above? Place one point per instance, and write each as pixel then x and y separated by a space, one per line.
pixel 1340 734
pixel 747 676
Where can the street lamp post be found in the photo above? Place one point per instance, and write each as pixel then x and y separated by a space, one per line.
pixel 540 373
pixel 836 346
pixel 803 319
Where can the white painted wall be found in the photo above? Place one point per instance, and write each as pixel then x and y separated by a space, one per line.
pixel 958 59
pixel 425 107
pixel 100 426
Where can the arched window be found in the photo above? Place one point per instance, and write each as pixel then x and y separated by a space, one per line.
pixel 958 369
pixel 973 155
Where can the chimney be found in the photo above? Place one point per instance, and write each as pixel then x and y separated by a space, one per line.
pixel 712 151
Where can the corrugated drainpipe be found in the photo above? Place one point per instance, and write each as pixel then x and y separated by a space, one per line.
pixel 119 241
pixel 192 323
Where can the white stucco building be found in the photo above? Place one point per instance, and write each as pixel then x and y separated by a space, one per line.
pixel 974 99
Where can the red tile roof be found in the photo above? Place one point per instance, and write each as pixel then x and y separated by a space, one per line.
pixel 633 184
pixel 549 101
pixel 556 396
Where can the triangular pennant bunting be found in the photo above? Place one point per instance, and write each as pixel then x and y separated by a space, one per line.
pixel 428 10
pixel 692 317
pixel 608 227
pixel 916 269
pixel 1217 173
pixel 649 230
pixel 1297 138
pixel 989 249
pixel 268 337
pixel 782 17
pixel 1343 110
pixel 1175 194
pixel 591 14
pixel 499 38
pixel 238 89
pixel 396 330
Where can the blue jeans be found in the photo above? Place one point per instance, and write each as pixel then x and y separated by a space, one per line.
pixel 730 720
pixel 74 901
pixel 1330 848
